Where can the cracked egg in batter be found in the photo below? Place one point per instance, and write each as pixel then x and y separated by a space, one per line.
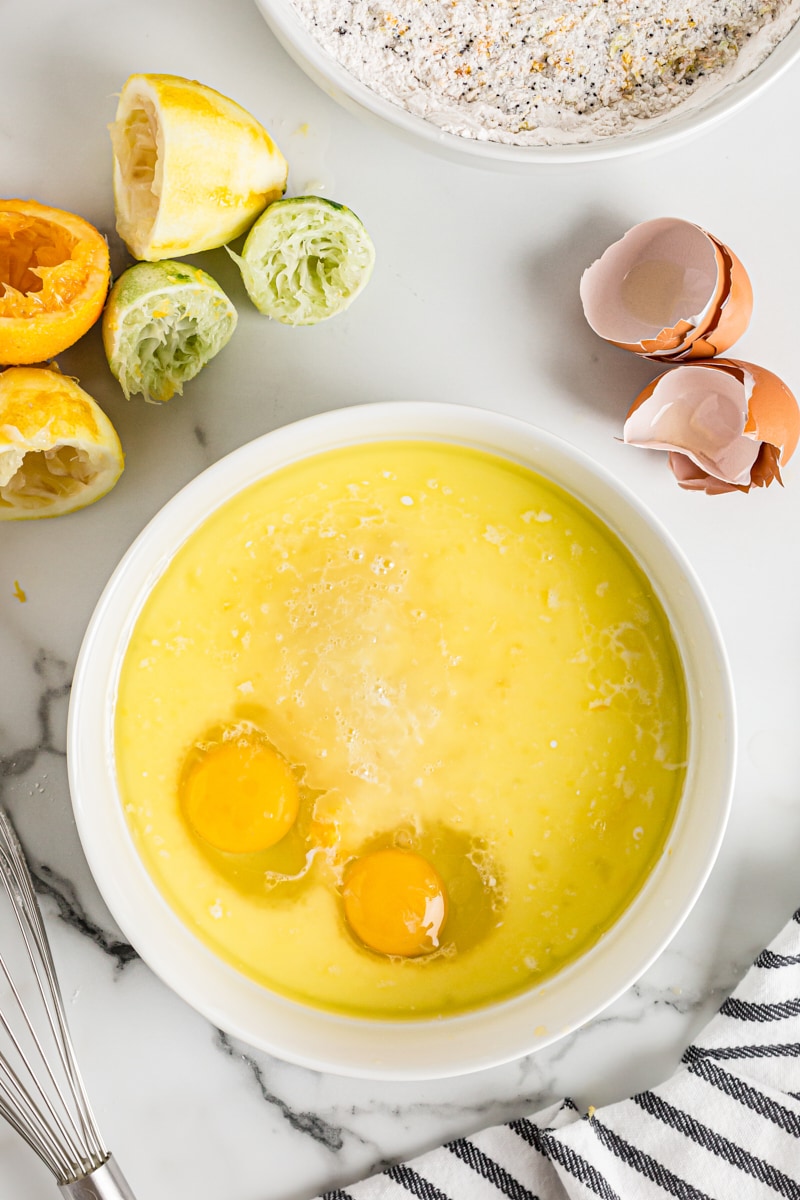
pixel 401 730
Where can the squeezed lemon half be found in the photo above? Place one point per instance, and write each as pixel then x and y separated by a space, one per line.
pixel 58 449
pixel 163 322
pixel 192 169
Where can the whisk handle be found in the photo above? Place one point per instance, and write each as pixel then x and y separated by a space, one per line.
pixel 106 1183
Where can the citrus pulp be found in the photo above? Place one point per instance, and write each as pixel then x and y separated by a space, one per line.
pixel 192 169
pixel 58 449
pixel 54 277
pixel 162 324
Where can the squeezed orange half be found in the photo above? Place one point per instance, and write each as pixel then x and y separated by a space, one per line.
pixel 54 276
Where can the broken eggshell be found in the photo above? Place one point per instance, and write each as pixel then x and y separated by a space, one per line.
pixel 727 425
pixel 669 291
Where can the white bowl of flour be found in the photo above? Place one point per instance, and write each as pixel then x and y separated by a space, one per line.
pixel 514 82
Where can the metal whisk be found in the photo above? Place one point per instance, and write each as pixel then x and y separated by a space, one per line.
pixel 41 1091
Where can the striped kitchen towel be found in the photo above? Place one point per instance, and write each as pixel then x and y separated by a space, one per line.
pixel 726 1126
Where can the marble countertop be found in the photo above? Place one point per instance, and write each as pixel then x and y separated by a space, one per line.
pixel 474 299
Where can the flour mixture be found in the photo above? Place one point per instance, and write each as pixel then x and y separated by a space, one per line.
pixel 537 72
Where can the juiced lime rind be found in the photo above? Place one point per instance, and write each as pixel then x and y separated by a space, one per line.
pixel 305 260
pixel 163 322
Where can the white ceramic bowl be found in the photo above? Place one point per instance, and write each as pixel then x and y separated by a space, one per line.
pixel 429 1048
pixel 661 134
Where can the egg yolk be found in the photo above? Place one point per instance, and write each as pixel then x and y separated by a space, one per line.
pixel 395 902
pixel 240 797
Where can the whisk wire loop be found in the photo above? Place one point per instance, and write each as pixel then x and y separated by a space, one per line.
pixel 42 1095
pixel 30 922
pixel 19 1110
pixel 17 1089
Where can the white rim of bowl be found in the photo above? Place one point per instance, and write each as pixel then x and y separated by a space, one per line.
pixel 338 83
pixel 485 1037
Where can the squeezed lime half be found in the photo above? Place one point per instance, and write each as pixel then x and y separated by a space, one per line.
pixel 305 260
pixel 162 323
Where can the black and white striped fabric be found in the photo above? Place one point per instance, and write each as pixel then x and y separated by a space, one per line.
pixel 726 1126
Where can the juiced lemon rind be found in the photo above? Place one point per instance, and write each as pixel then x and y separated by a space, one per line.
pixel 192 169
pixel 58 450
pixel 163 322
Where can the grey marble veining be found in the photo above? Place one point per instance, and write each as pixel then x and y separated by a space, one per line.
pixel 474 299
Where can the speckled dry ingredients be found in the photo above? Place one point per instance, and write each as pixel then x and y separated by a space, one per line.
pixel 533 72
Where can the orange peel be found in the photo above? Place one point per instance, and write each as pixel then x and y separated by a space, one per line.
pixel 54 276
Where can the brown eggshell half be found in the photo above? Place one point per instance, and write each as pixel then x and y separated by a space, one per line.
pixel 692 478
pixel 667 290
pixel 726 431
pixel 732 315
pixel 773 414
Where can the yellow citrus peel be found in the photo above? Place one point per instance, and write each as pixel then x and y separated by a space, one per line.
pixel 192 169
pixel 58 449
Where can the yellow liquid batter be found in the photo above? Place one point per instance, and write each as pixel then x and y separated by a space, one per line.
pixel 455 658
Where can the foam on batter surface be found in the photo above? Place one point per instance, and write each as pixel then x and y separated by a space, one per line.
pixel 455 658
